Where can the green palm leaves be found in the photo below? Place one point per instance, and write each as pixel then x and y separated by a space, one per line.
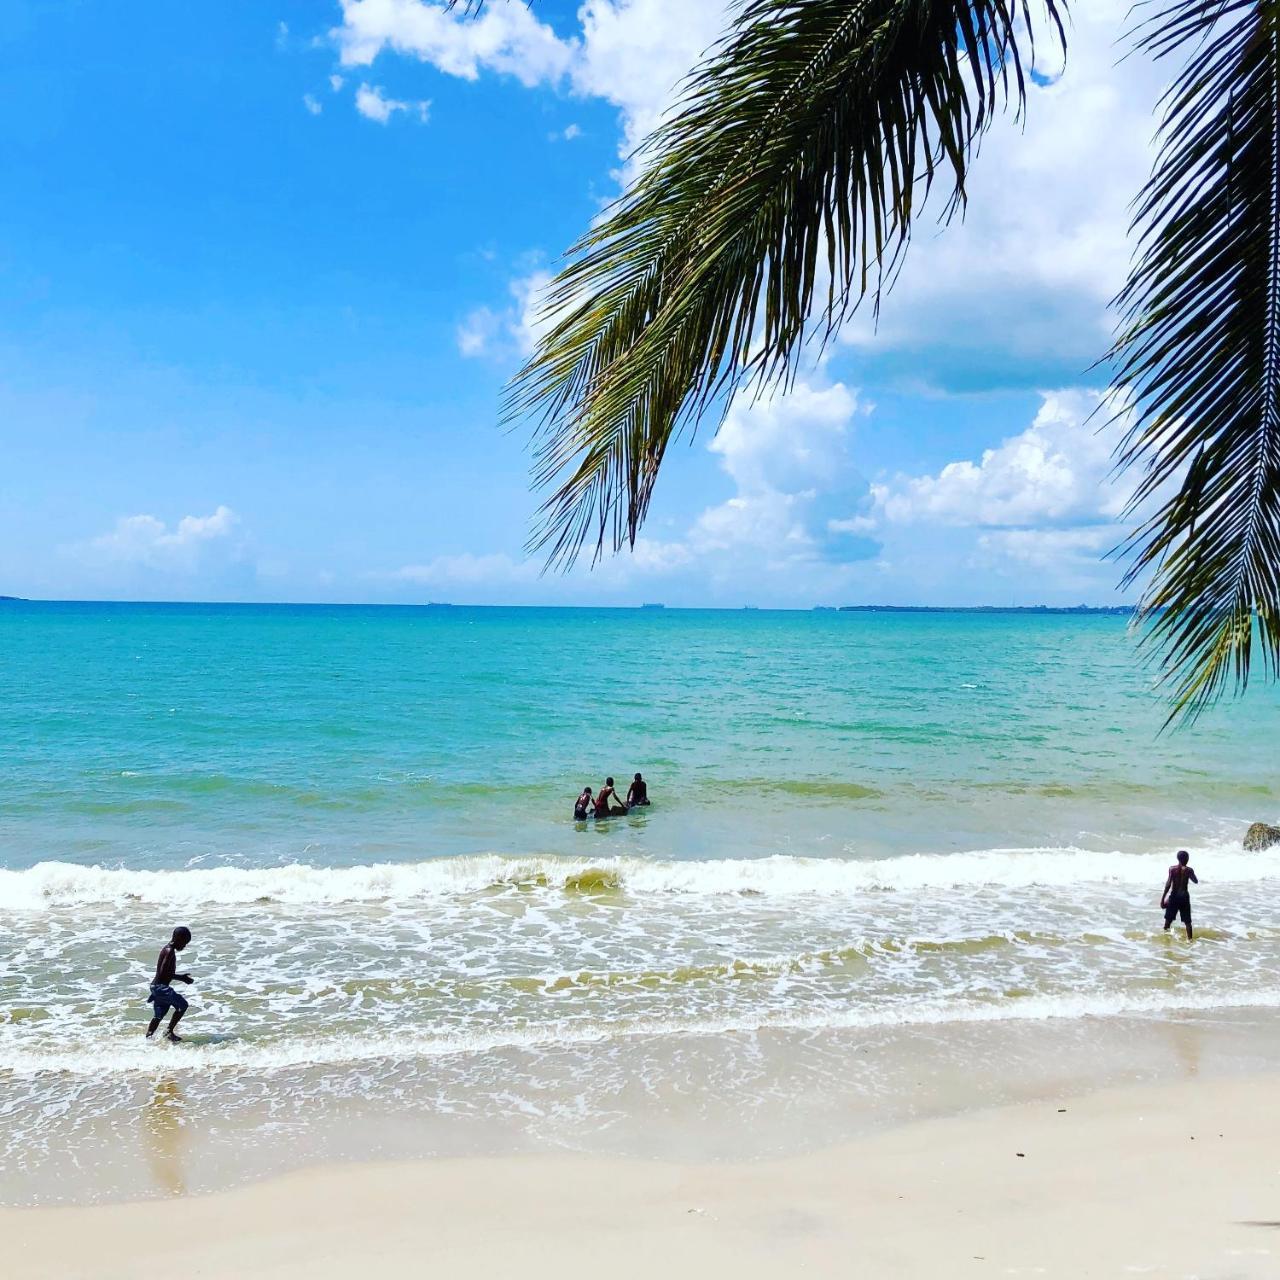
pixel 781 188
pixel 1197 354
pixel 780 194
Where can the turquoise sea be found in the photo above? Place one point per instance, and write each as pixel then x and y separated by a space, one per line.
pixel 868 829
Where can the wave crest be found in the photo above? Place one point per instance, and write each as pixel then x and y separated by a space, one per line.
pixel 61 884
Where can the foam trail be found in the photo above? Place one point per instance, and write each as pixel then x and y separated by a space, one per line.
pixel 136 1057
pixel 62 884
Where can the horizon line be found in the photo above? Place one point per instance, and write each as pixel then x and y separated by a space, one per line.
pixel 646 606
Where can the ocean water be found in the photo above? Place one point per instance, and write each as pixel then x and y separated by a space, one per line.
pixel 896 841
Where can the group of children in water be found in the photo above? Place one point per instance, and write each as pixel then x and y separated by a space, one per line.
pixel 606 804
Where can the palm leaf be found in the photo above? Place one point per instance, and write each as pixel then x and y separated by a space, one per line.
pixel 1197 360
pixel 776 197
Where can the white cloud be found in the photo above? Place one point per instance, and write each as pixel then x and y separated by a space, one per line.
pixel 530 320
pixel 478 332
pixel 631 53
pixel 766 522
pixel 570 132
pixel 336 82
pixel 467 570
pixel 514 329
pixel 312 104
pixel 788 457
pixel 854 524
pixel 373 104
pixel 506 38
pixel 1066 566
pixel 146 541
pixel 1031 520
pixel 1057 471
pixel 635 54
pixel 653 556
pixel 1025 277
pixel 1051 549
pixel 790 442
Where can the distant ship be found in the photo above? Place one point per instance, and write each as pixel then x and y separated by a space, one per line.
pixel 653 606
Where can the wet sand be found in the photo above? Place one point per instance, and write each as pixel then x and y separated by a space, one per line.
pixel 1178 1179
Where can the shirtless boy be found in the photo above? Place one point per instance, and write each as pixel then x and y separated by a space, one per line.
pixel 163 997
pixel 607 804
pixel 1176 899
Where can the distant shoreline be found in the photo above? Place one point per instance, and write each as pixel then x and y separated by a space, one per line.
pixel 1123 610
pixel 1118 610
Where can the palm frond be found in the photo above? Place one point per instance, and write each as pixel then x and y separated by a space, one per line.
pixel 1197 358
pixel 781 188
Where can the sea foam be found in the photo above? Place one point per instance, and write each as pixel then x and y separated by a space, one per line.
pixel 61 884
pixel 137 1056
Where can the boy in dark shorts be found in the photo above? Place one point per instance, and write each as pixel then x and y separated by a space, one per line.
pixel 607 805
pixel 1176 899
pixel 163 997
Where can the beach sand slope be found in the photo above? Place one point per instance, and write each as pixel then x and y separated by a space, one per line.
pixel 1163 1180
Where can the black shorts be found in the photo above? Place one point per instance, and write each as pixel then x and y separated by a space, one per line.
pixel 1180 907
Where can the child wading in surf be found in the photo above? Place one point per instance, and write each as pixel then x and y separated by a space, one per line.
pixel 1176 899
pixel 607 805
pixel 163 997
pixel 637 792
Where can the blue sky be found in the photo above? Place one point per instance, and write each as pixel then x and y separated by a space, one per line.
pixel 265 267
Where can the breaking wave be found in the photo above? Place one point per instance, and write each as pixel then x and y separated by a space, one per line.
pixel 61 884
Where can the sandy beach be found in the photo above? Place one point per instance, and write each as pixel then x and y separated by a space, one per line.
pixel 1170 1180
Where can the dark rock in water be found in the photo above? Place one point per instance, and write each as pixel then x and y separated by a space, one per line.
pixel 1261 836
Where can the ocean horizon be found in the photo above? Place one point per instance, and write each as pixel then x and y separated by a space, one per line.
pixel 1115 610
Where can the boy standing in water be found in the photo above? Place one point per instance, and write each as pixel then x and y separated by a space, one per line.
pixel 163 996
pixel 1176 899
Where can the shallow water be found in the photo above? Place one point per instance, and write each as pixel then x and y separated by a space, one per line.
pixel 868 831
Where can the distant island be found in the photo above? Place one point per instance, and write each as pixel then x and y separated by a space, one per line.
pixel 12 599
pixel 1115 610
